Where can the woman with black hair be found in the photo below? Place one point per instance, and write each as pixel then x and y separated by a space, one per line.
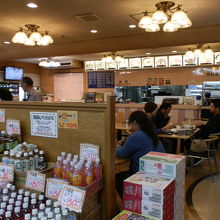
pixel 141 142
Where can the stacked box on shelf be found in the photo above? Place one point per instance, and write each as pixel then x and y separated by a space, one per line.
pixel 150 195
pixel 126 215
pixel 171 166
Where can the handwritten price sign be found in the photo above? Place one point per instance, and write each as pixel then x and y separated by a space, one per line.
pixel 54 188
pixel 2 115
pixel 35 180
pixel 89 151
pixel 13 126
pixel 72 198
pixel 6 172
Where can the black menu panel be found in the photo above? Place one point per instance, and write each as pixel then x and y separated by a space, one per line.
pixel 100 79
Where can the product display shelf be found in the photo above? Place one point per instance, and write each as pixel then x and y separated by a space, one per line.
pixel 95 125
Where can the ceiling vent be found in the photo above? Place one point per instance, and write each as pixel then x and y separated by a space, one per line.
pixel 76 64
pixel 88 17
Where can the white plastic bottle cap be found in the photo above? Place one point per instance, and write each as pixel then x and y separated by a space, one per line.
pixel 41 197
pixel 5 191
pixel 58 217
pixel 36 151
pixel 27 216
pixel 31 153
pixel 65 162
pixel 50 215
pixel 47 210
pixel 27 193
pixel 33 201
pixel 59 158
pixel 5 198
pixel 63 154
pixel 1 211
pixel 41 152
pixel 17 209
pixel 19 197
pixel 26 199
pixel 40 215
pixel 9 186
pixel 13 195
pixel 33 195
pixel 48 202
pixel 9 207
pixel 6 152
pixel 11 201
pixel 65 212
pixel 34 211
pixel 21 192
pixel 25 154
pixel 57 210
pixel 25 205
pixel 42 206
pixel 55 204
pixel 34 218
pixel 24 143
pixel 3 205
pixel 8 214
pixel 12 188
pixel 18 203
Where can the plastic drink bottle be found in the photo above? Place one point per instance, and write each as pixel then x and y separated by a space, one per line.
pixel 5 199
pixel 9 208
pixel 34 204
pixel 36 156
pixel 25 162
pixel 1 214
pixel 58 168
pixel 98 168
pixel 40 215
pixel 12 158
pixel 27 216
pixel 42 208
pixel 13 195
pixel 48 203
pixel 47 210
pixel 70 171
pixel 8 215
pixel 65 169
pixel 88 174
pixel 25 209
pixel 42 163
pixel 5 193
pixel 63 155
pixel 31 161
pixel 58 217
pixel 65 214
pixel 77 178
pixel 26 200
pixel 57 210
pixel 12 189
pixel 17 213
pixel 50 215
pixel 34 213
pixel 40 199
pixel 5 158
pixel 18 163
pixel 19 198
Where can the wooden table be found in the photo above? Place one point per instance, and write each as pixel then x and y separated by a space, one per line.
pixel 178 137
pixel 121 165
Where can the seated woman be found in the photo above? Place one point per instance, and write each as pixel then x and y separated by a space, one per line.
pixel 151 110
pixel 141 142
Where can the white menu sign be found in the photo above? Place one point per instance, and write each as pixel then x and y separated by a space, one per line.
pixel 2 115
pixel 44 124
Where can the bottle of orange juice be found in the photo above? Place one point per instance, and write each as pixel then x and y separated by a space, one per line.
pixel 88 173
pixel 77 177
pixel 58 168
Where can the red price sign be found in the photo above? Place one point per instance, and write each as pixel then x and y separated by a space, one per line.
pixel 72 197
pixel 35 180
pixel 6 172
pixel 54 188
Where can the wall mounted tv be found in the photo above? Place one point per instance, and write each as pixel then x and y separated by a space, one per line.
pixel 13 73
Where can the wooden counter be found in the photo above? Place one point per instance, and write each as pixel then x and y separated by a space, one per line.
pixel 96 126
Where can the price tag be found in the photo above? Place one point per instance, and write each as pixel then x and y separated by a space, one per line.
pixel 13 127
pixel 54 188
pixel 2 115
pixel 72 197
pixel 6 172
pixel 89 151
pixel 35 180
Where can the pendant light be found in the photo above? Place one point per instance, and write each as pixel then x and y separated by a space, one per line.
pixel 170 27
pixel 29 42
pixel 152 28
pixel 159 17
pixel 190 54
pixel 20 37
pixel 145 21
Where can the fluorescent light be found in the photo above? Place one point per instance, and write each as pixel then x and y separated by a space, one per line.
pixel 7 42
pixel 32 5
pixel 174 51
pixel 94 31
pixel 148 53
pixel 132 26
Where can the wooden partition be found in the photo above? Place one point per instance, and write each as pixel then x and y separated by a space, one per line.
pixel 96 126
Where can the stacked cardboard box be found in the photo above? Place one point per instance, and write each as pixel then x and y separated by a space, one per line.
pixel 171 166
pixel 150 195
pixel 126 215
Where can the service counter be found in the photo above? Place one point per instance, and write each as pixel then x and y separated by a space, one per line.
pixel 178 112
pixel 95 125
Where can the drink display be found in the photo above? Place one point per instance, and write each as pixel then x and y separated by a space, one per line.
pixel 77 172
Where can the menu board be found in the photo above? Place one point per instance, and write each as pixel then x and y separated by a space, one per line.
pixel 111 65
pixel 175 60
pixel 101 79
pixel 99 65
pixel 135 63
pixel 90 65
pixel 161 61
pixel 189 61
pixel 217 58
pixel 203 60
pixel 123 65
pixel 147 62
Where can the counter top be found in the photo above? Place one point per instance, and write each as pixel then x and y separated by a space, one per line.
pixel 139 105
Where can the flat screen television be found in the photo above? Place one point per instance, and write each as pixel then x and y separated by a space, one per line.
pixel 13 73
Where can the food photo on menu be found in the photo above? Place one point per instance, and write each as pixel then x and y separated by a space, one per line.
pixel 147 62
pixel 175 60
pixel 135 63
pixel 161 61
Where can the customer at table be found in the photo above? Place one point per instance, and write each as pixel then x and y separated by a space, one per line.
pixel 141 142
pixel 151 110
pixel 162 117
pixel 30 93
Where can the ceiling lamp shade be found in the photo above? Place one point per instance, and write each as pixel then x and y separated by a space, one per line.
pixel 170 27
pixel 48 38
pixel 29 42
pixel 190 54
pixel 119 59
pixel 152 28
pixel 185 23
pixel 36 36
pixel 178 16
pixel 145 21
pixel 208 52
pixel 20 37
pixel 43 42
pixel 109 59
pixel 159 17
pixel 198 52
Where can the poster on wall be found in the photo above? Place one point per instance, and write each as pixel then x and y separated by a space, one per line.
pixel 123 65
pixel 111 65
pixel 189 61
pixel 147 62
pixel 204 60
pixel 135 63
pixel 68 119
pixel 90 65
pixel 161 61
pixel 175 60
pixel 44 124
pixel 2 115
pixel 99 65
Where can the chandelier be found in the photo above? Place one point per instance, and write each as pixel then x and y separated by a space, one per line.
pixel 199 52
pixel 49 63
pixel 113 57
pixel 166 13
pixel 30 36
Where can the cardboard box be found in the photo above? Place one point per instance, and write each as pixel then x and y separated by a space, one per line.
pixel 149 187
pixel 126 215
pixel 150 209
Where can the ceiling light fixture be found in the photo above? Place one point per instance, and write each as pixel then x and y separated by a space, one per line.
pixel 30 36
pixel 132 26
pixel 94 31
pixel 113 57
pixel 32 5
pixel 174 51
pixel 50 62
pixel 200 51
pixel 7 42
pixel 166 13
pixel 147 53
